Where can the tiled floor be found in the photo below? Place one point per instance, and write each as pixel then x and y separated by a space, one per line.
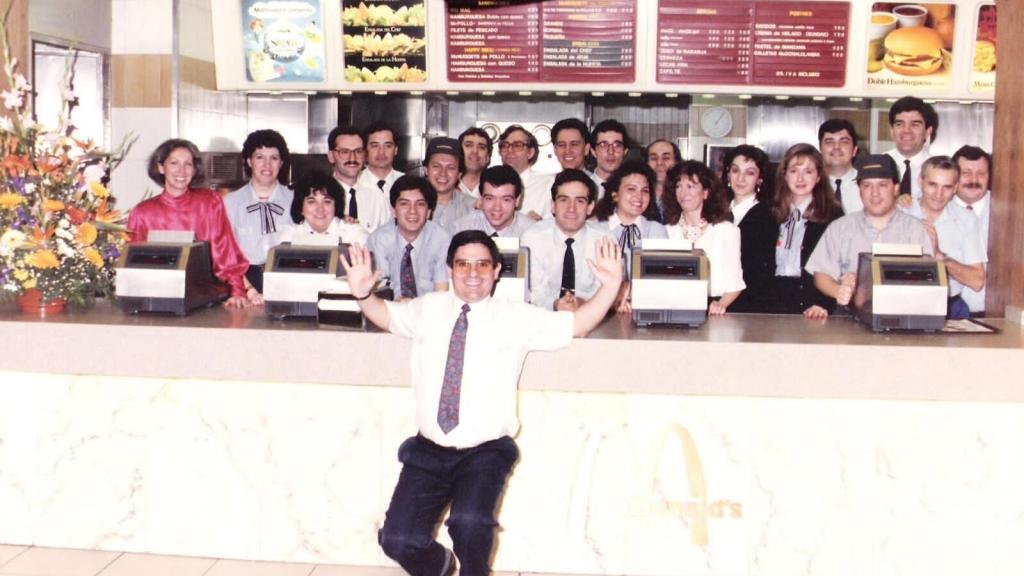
pixel 33 561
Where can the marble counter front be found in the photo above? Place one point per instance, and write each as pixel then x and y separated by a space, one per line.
pixel 754 446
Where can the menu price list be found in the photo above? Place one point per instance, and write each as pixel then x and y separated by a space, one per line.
pixel 757 43
pixel 555 41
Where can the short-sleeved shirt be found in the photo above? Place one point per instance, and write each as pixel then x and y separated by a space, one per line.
pixel 476 220
pixel 429 251
pixel 460 205
pixel 257 225
pixel 547 252
pixel 976 298
pixel 499 335
pixel 958 235
pixel 840 246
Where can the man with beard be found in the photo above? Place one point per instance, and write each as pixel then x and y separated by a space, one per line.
pixel 345 152
pixel 974 196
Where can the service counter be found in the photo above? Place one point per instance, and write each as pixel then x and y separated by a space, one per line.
pixel 753 445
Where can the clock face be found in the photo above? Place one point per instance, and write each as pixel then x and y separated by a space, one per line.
pixel 716 122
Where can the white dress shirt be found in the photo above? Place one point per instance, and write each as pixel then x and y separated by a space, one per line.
pixel 536 192
pixel 476 220
pixel 369 180
pixel 916 162
pixel 374 207
pixel 547 252
pixel 721 244
pixel 739 210
pixel 474 192
pixel 851 191
pixel 499 335
pixel 338 228
pixel 976 298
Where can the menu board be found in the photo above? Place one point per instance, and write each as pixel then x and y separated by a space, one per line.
pixel 756 43
pixel 910 46
pixel 384 41
pixel 555 41
pixel 983 67
pixel 283 40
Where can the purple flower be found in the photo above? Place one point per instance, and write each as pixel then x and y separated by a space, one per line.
pixel 111 252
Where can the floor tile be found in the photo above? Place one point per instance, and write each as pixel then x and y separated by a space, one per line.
pixel 8 551
pixel 154 565
pixel 246 568
pixel 58 562
pixel 325 570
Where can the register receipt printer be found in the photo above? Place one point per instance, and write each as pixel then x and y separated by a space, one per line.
pixel 900 289
pixel 169 273
pixel 670 283
pixel 514 283
pixel 296 273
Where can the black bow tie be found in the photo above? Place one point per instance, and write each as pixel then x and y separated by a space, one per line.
pixel 267 211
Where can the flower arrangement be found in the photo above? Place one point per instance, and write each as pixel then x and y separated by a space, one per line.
pixel 59 231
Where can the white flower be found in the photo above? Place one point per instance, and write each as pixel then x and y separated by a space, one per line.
pixel 6 124
pixel 65 249
pixel 20 84
pixel 12 239
pixel 30 188
pixel 94 173
pixel 12 100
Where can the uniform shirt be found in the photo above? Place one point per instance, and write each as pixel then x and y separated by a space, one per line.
pixel 840 246
pixel 791 241
pixel 476 220
pixel 958 236
pixel 474 192
pixel 460 205
pixel 429 251
pixel 369 180
pixel 740 209
pixel 499 335
pixel 915 168
pixel 338 228
pixel 647 228
pixel 249 226
pixel 374 208
pixel 536 192
pixel 598 181
pixel 850 191
pixel 721 244
pixel 547 251
pixel 975 299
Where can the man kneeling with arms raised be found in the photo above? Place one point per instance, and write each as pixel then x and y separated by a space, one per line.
pixel 468 350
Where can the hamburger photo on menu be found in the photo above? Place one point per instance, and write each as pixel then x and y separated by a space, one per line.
pixel 909 41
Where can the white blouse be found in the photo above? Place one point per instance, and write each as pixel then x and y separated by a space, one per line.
pixel 721 243
pixel 343 231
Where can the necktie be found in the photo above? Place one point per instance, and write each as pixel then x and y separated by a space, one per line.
pixel 970 207
pixel 353 206
pixel 629 237
pixel 406 275
pixel 905 182
pixel 568 269
pixel 494 234
pixel 839 193
pixel 381 183
pixel 267 211
pixel 451 386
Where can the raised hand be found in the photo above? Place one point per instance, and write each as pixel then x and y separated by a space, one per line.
pixel 360 275
pixel 608 266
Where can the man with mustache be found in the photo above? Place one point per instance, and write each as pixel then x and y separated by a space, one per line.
pixel 973 195
pixel 345 152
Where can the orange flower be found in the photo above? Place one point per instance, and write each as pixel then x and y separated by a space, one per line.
pixel 42 259
pixel 52 205
pixel 17 163
pixel 76 214
pixel 86 234
pixel 10 200
pixel 93 255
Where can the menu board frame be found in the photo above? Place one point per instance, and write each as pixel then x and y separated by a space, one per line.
pixel 231 72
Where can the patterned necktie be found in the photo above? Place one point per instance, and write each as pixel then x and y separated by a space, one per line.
pixel 451 387
pixel 568 269
pixel 406 275
pixel 839 193
pixel 905 182
pixel 267 211
pixel 353 206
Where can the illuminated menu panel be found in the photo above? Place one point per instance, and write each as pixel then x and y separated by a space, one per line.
pixel 757 43
pixel 529 41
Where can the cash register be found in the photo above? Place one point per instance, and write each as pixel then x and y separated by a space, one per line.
pixel 169 273
pixel 514 282
pixel 670 283
pixel 898 288
pixel 295 275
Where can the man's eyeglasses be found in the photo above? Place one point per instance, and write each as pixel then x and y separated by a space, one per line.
pixel 517 146
pixel 616 146
pixel 481 266
pixel 349 151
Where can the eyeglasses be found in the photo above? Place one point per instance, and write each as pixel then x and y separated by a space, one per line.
pixel 349 151
pixel 481 266
pixel 517 146
pixel 605 146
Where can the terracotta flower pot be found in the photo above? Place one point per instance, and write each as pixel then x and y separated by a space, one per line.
pixel 31 302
